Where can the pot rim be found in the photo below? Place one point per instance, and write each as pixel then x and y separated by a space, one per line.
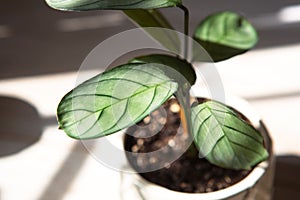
pixel 235 189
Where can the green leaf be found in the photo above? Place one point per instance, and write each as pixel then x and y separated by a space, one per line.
pixel 148 18
pixel 225 35
pixel 184 71
pixel 114 100
pixel 81 5
pixel 154 18
pixel 225 139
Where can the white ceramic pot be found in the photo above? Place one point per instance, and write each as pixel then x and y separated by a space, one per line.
pixel 258 185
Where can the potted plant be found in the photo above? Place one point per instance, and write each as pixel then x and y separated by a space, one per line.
pixel 201 133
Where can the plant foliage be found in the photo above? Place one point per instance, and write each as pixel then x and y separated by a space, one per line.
pixel 225 34
pixel 82 5
pixel 124 95
pixel 224 138
pixel 114 100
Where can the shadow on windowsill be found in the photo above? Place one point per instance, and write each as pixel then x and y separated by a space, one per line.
pixel 21 125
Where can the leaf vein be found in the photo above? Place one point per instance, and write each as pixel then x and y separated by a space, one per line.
pixel 234 129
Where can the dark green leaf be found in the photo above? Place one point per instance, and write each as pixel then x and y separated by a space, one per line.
pixel 225 34
pixel 185 71
pixel 114 100
pixel 153 18
pixel 81 5
pixel 225 139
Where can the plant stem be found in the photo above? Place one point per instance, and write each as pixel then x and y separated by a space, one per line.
pixel 186 29
pixel 183 97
